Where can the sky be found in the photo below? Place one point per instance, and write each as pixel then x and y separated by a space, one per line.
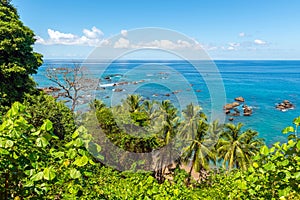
pixel 224 29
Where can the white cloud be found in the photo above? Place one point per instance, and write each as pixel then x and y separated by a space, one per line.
pixel 242 34
pixel 184 44
pixel 122 43
pixel 164 44
pixel 56 35
pixel 105 42
pixel 93 37
pixel 230 48
pixel 259 42
pixel 39 40
pixel 94 33
pixel 124 33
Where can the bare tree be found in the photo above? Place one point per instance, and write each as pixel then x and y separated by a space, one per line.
pixel 74 81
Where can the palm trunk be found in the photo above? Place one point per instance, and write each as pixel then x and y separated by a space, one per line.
pixel 190 174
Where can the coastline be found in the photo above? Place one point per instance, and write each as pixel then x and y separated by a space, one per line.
pixel 263 83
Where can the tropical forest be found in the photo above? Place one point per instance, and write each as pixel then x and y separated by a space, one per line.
pixel 138 149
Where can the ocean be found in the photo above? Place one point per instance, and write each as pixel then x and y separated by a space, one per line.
pixel 262 83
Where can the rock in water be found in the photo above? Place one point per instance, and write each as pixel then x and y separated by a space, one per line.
pixel 228 106
pixel 285 105
pixel 247 111
pixel 240 99
pixel 235 104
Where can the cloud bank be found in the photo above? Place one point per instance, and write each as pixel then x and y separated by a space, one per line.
pixel 95 37
pixel 91 37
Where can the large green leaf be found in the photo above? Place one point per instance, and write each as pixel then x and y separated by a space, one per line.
pixel 71 153
pixel 81 161
pixel 42 142
pixel 49 173
pixel 297 121
pixel 264 150
pixel 74 173
pixel 270 166
pixel 47 125
pixel 297 175
pixel 284 163
pixel 288 130
pixel 75 134
pixel 37 177
pixel 78 142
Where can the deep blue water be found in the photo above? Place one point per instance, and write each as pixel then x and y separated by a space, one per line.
pixel 261 83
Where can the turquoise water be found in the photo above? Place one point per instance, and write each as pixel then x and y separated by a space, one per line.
pixel 261 83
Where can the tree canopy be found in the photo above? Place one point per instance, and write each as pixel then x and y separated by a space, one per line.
pixel 17 58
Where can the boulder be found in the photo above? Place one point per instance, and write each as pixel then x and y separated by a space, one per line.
pixel 247 110
pixel 284 105
pixel 240 99
pixel 228 106
pixel 50 89
pixel 235 104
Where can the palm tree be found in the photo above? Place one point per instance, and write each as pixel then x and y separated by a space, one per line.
pixel 171 120
pixel 215 128
pixel 199 153
pixel 191 117
pixel 170 123
pixel 252 143
pixel 133 101
pixel 235 147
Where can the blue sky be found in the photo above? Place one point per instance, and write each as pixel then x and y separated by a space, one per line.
pixel 228 29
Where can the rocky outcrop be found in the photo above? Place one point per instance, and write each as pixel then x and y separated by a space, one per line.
pixel 237 108
pixel 50 89
pixel 240 99
pixel 247 110
pixel 285 105
pixel 230 106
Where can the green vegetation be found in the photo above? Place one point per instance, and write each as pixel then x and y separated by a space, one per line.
pixel 17 59
pixel 35 164
pixel 42 107
pixel 43 155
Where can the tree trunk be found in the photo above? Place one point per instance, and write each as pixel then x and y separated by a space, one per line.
pixel 190 174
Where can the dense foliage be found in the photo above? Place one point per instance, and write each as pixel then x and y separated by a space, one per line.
pixel 17 59
pixel 36 164
pixel 44 156
pixel 42 107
